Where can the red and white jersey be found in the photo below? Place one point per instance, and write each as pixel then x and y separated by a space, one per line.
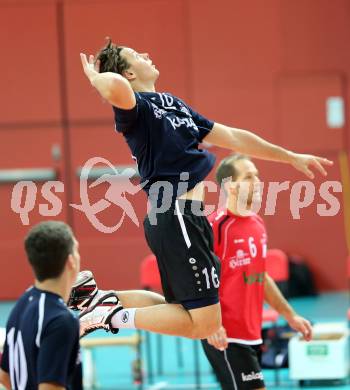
pixel 241 245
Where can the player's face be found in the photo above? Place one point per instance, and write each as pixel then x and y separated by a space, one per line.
pixel 141 66
pixel 247 181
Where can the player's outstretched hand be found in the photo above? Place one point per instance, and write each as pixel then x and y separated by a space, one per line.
pixel 91 67
pixel 301 325
pixel 219 339
pixel 304 163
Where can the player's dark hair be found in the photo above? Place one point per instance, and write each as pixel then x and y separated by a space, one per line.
pixel 48 246
pixel 227 168
pixel 111 59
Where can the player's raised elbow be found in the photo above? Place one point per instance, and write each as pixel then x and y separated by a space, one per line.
pixel 120 94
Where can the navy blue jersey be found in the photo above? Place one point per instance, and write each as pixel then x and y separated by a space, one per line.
pixel 163 134
pixel 42 343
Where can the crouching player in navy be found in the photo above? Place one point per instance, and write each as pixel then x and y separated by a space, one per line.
pixel 41 350
pixel 240 241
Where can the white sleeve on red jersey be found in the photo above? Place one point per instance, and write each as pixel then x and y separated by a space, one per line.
pixel 215 220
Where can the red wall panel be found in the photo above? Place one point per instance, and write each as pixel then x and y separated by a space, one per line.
pixel 103 140
pixel 315 35
pixel 24 148
pixel 249 107
pixel 318 239
pixel 29 69
pixel 29 147
pixel 115 262
pixel 245 63
pixel 147 26
pixel 115 256
pixel 314 39
pixel 235 54
pixel 302 112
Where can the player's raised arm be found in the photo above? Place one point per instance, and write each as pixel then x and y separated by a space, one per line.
pixel 246 142
pixel 112 86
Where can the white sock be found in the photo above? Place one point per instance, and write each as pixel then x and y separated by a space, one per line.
pixel 124 318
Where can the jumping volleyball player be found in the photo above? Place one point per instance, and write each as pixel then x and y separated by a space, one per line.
pixel 164 134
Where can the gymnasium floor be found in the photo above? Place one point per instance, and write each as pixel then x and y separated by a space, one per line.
pixel 113 364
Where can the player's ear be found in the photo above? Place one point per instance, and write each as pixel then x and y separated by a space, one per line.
pixel 72 264
pixel 233 188
pixel 129 75
pixel 225 184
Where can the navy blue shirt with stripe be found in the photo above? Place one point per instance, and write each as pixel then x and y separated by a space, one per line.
pixel 42 343
pixel 164 134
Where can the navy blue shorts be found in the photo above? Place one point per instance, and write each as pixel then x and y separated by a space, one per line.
pixel 182 242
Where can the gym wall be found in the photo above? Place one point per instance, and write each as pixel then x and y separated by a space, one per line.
pixel 265 65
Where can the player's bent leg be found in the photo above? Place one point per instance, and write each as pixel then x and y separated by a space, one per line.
pixel 139 298
pixel 144 310
pixel 85 294
pixel 170 319
pixel 174 319
pixel 206 321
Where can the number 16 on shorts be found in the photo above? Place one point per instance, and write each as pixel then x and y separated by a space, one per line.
pixel 211 278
